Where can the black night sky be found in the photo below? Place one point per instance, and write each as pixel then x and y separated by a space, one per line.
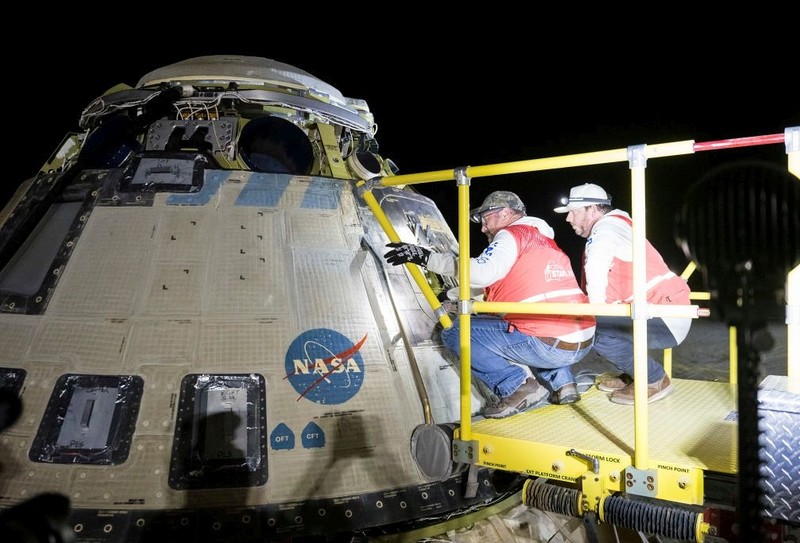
pixel 468 99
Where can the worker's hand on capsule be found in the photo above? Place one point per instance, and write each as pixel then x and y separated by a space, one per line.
pixel 407 253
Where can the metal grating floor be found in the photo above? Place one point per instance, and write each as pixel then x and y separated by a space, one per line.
pixel 694 426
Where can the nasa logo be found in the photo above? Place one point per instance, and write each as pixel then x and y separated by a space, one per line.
pixel 324 366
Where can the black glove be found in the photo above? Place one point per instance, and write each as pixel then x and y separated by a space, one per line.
pixel 403 253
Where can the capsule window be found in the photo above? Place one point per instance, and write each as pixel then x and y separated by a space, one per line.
pixel 274 145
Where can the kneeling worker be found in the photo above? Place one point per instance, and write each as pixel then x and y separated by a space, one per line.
pixel 522 263
pixel 608 278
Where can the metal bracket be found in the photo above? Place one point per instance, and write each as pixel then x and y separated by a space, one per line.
pixel 792 314
pixel 219 133
pixel 461 176
pixel 792 138
pixel 637 156
pixel 465 451
pixel 642 482
pixel 640 310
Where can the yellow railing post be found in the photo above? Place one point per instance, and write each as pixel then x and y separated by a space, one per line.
pixel 637 156
pixel 464 300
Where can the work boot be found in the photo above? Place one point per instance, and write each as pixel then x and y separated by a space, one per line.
pixel 565 395
pixel 526 396
pixel 612 383
pixel 655 391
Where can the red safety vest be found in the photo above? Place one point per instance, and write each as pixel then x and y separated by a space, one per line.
pixel 541 273
pixel 663 286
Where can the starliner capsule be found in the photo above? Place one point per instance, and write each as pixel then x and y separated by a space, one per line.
pixel 201 332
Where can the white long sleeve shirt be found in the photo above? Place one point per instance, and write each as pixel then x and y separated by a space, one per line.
pixel 608 270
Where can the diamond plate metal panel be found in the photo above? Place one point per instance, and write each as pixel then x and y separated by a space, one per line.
pixel 779 412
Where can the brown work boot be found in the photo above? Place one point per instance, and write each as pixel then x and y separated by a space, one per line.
pixel 655 391
pixel 526 396
pixel 612 383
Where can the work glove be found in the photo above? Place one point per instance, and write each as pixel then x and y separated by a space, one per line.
pixel 403 253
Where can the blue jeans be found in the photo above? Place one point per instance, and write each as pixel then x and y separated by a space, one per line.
pixel 613 340
pixel 493 346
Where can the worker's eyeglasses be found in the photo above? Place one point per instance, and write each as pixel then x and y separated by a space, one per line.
pixel 489 213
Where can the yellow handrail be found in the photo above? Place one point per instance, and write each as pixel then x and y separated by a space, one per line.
pixel 639 310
